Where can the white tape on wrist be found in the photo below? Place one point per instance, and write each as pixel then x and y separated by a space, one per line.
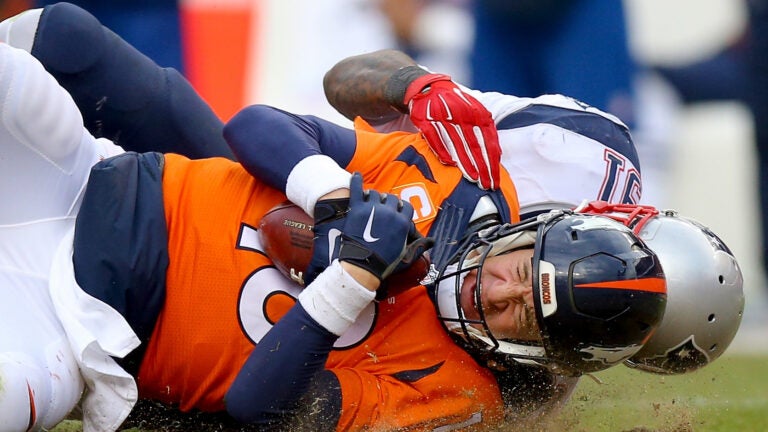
pixel 312 178
pixel 335 299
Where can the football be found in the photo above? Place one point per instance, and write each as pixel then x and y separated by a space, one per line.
pixel 287 237
pixel 408 278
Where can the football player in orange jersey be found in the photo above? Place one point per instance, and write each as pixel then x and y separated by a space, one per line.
pixel 164 253
pixel 159 260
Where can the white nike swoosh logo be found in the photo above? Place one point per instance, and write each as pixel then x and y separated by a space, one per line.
pixel 367 232
pixel 333 234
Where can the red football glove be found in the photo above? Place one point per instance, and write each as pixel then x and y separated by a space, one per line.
pixel 457 127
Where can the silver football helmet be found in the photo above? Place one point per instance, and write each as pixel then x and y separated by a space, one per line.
pixel 705 298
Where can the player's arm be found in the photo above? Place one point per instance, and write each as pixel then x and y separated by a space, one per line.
pixel 300 155
pixel 122 94
pixel 458 128
pixel 288 365
pixel 357 86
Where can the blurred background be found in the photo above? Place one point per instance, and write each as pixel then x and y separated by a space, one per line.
pixel 712 168
pixel 683 75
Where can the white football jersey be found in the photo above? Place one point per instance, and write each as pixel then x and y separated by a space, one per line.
pixel 559 151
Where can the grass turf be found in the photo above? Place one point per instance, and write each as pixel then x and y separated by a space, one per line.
pixel 729 395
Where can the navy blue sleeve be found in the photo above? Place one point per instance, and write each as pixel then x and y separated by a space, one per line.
pixel 123 95
pixel 269 142
pixel 286 367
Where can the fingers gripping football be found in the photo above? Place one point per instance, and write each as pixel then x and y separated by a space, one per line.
pixel 329 222
pixel 457 127
pixel 290 238
pixel 376 230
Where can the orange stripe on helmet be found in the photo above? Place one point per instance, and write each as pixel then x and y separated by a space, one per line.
pixel 657 285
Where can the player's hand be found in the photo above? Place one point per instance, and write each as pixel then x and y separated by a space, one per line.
pixel 457 127
pixel 329 222
pixel 376 231
pixel 415 247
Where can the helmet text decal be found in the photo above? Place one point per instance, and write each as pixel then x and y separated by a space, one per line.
pixel 547 295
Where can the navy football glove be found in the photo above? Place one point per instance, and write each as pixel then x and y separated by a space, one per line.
pixel 329 222
pixel 376 230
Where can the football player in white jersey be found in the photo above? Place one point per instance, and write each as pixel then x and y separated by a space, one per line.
pixel 46 148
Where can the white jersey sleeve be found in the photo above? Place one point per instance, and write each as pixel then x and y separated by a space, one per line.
pixel 560 151
pixel 19 30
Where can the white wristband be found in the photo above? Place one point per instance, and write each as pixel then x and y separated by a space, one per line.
pixel 335 299
pixel 312 178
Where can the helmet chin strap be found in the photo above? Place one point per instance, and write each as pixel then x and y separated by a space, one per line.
pixel 526 354
pixel 515 241
pixel 447 303
pixel 631 215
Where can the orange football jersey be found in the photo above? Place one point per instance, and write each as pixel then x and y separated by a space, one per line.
pixel 212 209
pixel 397 366
pixel 413 173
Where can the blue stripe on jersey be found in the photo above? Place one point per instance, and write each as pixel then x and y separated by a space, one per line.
pixel 410 376
pixel 590 125
pixel 121 239
pixel 411 156
pixel 452 224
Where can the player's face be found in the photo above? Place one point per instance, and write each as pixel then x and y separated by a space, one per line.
pixel 506 296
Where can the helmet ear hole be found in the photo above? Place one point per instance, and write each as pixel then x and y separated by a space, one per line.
pixel 711 318
pixel 721 278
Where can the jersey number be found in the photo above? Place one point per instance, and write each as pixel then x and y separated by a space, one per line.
pixel 266 295
pixel 616 180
